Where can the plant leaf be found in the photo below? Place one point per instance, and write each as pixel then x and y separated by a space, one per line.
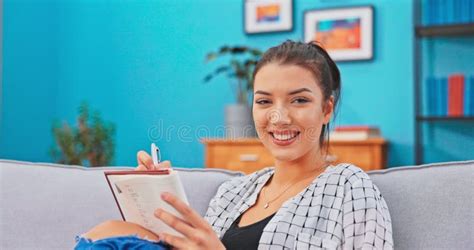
pixel 211 56
pixel 250 62
pixel 239 49
pixel 216 72
pixel 224 49
pixel 256 52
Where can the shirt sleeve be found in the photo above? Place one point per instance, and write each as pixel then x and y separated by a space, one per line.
pixel 214 207
pixel 222 203
pixel 366 219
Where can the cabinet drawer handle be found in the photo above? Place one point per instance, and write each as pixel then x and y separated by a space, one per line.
pixel 248 157
pixel 331 158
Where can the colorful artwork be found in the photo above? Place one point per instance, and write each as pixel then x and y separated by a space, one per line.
pixel 268 13
pixel 339 34
pixel 345 32
pixel 268 16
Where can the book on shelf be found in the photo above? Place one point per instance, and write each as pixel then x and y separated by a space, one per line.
pixel 442 96
pixel 469 96
pixel 137 194
pixel 354 133
pixel 451 96
pixel 431 86
pixel 455 95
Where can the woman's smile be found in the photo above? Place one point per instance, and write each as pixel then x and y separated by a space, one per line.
pixel 284 138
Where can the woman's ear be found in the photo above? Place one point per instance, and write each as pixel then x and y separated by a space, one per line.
pixel 328 110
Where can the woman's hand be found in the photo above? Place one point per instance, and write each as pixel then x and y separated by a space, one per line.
pixel 198 234
pixel 145 162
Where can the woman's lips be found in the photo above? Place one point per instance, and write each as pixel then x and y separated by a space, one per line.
pixel 286 142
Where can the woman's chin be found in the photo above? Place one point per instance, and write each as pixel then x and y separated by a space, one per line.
pixel 284 156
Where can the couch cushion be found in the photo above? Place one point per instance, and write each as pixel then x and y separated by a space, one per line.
pixel 431 206
pixel 43 206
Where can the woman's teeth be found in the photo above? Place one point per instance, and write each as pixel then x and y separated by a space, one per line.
pixel 284 137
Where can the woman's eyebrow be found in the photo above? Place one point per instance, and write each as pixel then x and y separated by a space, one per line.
pixel 262 92
pixel 299 91
pixel 293 92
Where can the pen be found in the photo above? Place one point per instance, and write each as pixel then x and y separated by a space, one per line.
pixel 155 154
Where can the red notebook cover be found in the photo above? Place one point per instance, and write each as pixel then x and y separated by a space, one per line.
pixel 455 95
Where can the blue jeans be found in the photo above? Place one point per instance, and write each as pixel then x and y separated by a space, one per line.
pixel 132 242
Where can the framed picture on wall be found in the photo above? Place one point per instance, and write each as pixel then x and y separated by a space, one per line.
pixel 346 33
pixel 264 16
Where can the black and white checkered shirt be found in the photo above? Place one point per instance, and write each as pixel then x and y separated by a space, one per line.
pixel 340 209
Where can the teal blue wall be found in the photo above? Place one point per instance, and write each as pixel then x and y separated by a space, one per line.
pixel 140 63
pixel 29 91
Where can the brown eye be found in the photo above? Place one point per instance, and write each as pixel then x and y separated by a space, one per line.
pixel 262 102
pixel 300 100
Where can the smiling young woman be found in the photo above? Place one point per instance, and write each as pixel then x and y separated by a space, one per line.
pixel 301 202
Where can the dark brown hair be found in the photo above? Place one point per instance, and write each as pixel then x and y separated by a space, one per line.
pixel 314 58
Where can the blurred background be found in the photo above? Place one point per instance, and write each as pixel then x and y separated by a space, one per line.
pixel 141 65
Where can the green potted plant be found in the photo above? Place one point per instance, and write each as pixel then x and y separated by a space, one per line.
pixel 239 68
pixel 90 144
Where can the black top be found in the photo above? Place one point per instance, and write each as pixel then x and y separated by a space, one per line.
pixel 246 237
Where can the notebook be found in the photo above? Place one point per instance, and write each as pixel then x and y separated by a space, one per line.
pixel 137 194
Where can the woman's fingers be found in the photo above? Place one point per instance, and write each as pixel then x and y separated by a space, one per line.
pixel 143 158
pixel 189 214
pixel 197 232
pixel 176 223
pixel 175 241
pixel 164 164
pixel 141 167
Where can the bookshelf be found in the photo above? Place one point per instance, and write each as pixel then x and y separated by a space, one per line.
pixel 443 118
pixel 422 32
pixel 465 29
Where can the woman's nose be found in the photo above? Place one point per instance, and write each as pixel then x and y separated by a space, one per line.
pixel 279 116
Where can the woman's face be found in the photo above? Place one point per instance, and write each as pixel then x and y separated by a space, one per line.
pixel 288 110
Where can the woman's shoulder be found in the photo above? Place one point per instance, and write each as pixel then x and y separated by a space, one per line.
pixel 353 179
pixel 348 170
pixel 347 174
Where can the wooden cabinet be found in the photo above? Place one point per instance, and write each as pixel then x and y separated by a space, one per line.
pixel 369 154
pixel 249 155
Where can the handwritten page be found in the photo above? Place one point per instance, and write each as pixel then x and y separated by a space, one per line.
pixel 140 197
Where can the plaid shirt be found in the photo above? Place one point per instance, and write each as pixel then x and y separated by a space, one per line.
pixel 341 209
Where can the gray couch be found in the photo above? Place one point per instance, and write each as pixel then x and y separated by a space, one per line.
pixel 44 206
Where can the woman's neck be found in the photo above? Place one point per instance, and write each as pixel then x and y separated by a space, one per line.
pixel 312 164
